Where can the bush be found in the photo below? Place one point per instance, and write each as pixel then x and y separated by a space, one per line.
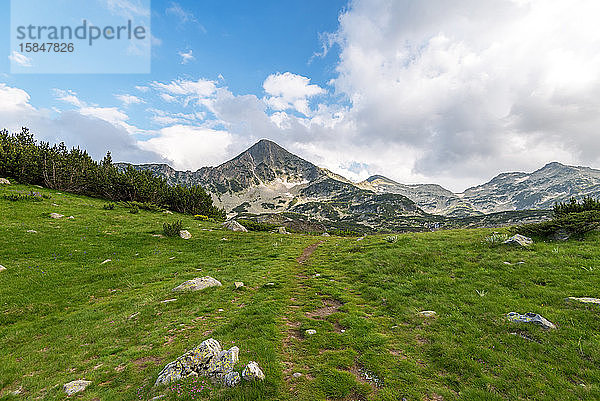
pixel 496 238
pixel 344 233
pixel 109 206
pixel 172 229
pixel 31 196
pixel 587 203
pixel 149 206
pixel 391 239
pixel 565 225
pixel 201 217
pixel 134 209
pixel 252 225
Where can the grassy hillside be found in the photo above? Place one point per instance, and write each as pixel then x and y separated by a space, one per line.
pixel 64 315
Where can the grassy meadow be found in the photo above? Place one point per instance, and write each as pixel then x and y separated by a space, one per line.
pixel 66 315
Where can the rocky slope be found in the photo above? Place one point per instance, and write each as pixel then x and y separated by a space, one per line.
pixel 267 179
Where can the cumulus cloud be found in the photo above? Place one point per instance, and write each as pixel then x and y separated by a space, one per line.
pixel 129 99
pixel 471 88
pixel 290 91
pixel 187 146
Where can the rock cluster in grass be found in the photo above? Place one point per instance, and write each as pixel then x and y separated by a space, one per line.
pixel 209 360
pixel 233 225
pixel 519 240
pixel 185 234
pixel 76 386
pixel 198 284
pixel 584 300
pixel 4 181
pixel 531 318
pixel 56 216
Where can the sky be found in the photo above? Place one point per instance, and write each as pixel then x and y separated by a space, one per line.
pixel 452 92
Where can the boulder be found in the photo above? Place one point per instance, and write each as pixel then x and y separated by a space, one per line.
pixel 193 362
pixel 4 181
pixel 230 379
pixel 56 216
pixel 76 386
pixel 198 284
pixel 224 362
pixel 531 318
pixel 185 234
pixel 252 372
pixel 519 240
pixel 233 225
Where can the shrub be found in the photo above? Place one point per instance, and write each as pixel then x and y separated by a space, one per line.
pixel 172 229
pixel 587 203
pixel 149 206
pixel 565 225
pixel 32 196
pixel 496 238
pixel 252 225
pixel 201 217
pixel 391 239
pixel 109 206
pixel 134 209
pixel 344 233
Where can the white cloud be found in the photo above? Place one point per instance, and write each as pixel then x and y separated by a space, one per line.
pixel 186 57
pixel 14 99
pixel 20 59
pixel 201 88
pixel 183 15
pixel 127 7
pixel 129 99
pixel 290 91
pixel 190 147
pixel 68 96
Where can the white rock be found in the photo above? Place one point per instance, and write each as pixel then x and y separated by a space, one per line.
pixel 4 181
pixel 168 212
pixel 585 300
pixel 32 231
pixel 76 386
pixel 428 313
pixel 238 284
pixel 185 234
pixel 71 218
pixel 233 225
pixel 297 375
pixel 106 261
pixel 252 372
pixel 198 284
pixel 166 301
pixel 2 268
pixel 311 332
pixel 519 239
pixel 56 216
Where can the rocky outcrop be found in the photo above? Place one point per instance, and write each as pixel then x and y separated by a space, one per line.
pixel 209 360
pixel 198 284
pixel 519 239
pixel 531 317
pixel 233 225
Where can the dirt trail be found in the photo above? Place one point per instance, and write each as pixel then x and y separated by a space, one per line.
pixel 308 251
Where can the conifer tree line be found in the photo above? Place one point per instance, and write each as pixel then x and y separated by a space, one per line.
pixel 27 161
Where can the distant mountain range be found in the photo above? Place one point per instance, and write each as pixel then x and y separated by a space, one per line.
pixel 269 183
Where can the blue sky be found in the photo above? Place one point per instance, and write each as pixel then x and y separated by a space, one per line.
pixel 445 91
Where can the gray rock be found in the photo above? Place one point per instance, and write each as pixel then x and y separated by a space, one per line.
pixel 76 386
pixel 531 318
pixel 519 240
pixel 238 285
pixel 310 332
pixel 297 375
pixel 428 313
pixel 561 235
pixel 282 230
pixel 4 181
pixel 32 231
pixel 71 218
pixel 106 261
pixel 230 379
pixel 198 284
pixel 185 234
pixel 233 225
pixel 56 216
pixel 323 235
pixel 198 361
pixel 158 397
pixel 224 362
pixel 252 372
pixel 584 300
pixel 2 268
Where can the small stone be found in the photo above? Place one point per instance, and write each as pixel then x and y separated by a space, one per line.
pixel 198 284
pixel 71 218
pixel 32 231
pixel 2 268
pixel 311 332
pixel 531 318
pixel 269 284
pixel 297 375
pixel 134 315
pixel 4 181
pixel 158 397
pixel 172 257
pixel 428 313
pixel 166 301
pixel 220 310
pixel 76 386
pixel 238 285
pixel 282 230
pixel 56 216
pixel 317 275
pixel 520 240
pixel 342 331
pixel 252 372
pixel 325 235
pixel 168 212
pixel 185 234
pixel 585 300
pixel 106 261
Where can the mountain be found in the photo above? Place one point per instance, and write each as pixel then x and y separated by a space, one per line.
pixel 552 183
pixel 269 183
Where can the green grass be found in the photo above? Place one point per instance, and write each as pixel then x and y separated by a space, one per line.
pixel 65 316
